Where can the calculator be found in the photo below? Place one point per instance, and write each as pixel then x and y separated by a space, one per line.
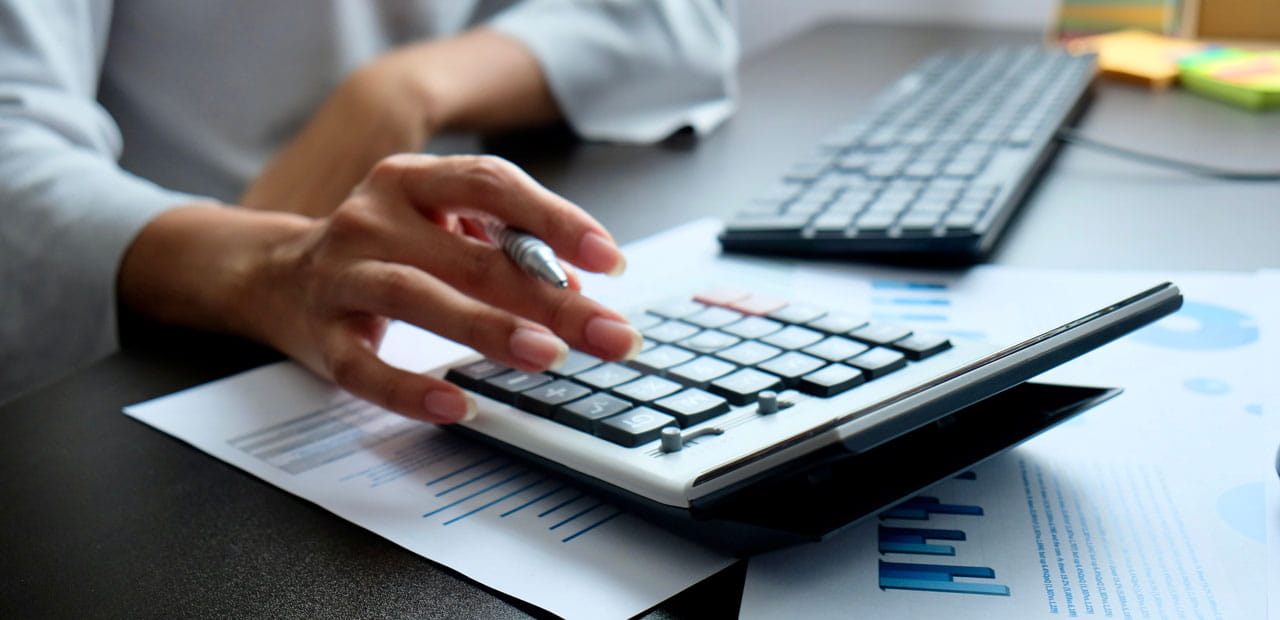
pixel 742 408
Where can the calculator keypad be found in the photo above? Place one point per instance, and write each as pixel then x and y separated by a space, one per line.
pixel 703 357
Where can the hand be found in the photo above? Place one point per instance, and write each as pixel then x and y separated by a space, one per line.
pixel 322 290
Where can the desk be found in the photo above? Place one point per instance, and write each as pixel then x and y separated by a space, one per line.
pixel 104 516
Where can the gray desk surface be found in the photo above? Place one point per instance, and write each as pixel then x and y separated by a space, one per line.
pixel 103 516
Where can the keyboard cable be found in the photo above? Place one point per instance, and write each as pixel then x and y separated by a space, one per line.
pixel 1071 136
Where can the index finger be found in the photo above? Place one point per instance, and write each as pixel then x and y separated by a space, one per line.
pixel 495 187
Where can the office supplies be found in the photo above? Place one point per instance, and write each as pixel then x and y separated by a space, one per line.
pixel 531 253
pixel 934 168
pixel 1247 79
pixel 1149 505
pixel 1137 55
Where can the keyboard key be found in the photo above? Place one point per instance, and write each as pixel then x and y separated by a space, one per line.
pixel 647 388
pixel 660 358
pixel 700 371
pixel 713 317
pixel 790 366
pixel 748 353
pixel 835 349
pixel 585 413
pixel 576 362
pixel 878 362
pixel 692 406
pixel 470 375
pixel 606 376
pixel 830 380
pixel 837 323
pixel 792 337
pixel 709 341
pixel 670 331
pixel 744 386
pixel 797 313
pixel 635 427
pixel 504 387
pixel 919 346
pixel 753 327
pixel 880 333
pixel 544 399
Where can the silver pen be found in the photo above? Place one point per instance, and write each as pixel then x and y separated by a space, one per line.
pixel 531 253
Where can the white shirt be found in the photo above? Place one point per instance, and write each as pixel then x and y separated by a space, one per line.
pixel 111 112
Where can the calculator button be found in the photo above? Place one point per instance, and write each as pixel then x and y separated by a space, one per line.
pixel 792 337
pixel 693 406
pixel 709 341
pixel 504 387
pixel 748 353
pixel 919 346
pixel 701 371
pixel 584 414
pixel 638 426
pixel 576 362
pixel 677 309
pixel 837 323
pixel 742 387
pixel 606 376
pixel 758 305
pixel 722 296
pixel 714 317
pixel 830 380
pixel 880 333
pixel 752 327
pixel 797 313
pixel 470 375
pixel 791 365
pixel 648 388
pixel 878 362
pixel 660 358
pixel 643 320
pixel 836 349
pixel 544 399
pixel 670 331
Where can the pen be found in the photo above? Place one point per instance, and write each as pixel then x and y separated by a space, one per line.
pixel 531 253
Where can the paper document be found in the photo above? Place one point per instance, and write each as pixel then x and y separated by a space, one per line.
pixel 1148 506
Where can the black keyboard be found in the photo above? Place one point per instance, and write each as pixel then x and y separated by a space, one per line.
pixel 935 167
pixel 703 357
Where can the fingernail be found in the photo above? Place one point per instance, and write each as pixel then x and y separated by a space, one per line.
pixel 597 253
pixel 611 335
pixel 449 406
pixel 538 348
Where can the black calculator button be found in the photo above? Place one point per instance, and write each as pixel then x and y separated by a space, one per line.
pixel 647 388
pixel 878 362
pixel 671 331
pixel 748 353
pixel 919 346
pixel 752 327
pixel 831 380
pixel 837 323
pixel 709 341
pixel 470 375
pixel 835 349
pixel 635 427
pixel 792 337
pixel 607 375
pixel 660 358
pixel 880 333
pixel 701 371
pixel 506 386
pixel 692 406
pixel 744 386
pixel 585 414
pixel 576 362
pixel 544 399
pixel 791 366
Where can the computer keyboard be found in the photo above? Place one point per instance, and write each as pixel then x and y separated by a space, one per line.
pixel 933 169
pixel 734 391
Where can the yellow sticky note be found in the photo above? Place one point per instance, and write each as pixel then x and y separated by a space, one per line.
pixel 1137 55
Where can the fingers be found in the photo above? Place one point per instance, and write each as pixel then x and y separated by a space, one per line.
pixel 493 186
pixel 355 366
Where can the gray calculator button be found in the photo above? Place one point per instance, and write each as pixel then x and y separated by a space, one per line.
pixel 607 375
pixel 792 337
pixel 660 358
pixel 878 362
pixel 797 313
pixel 709 341
pixel 670 331
pixel 648 388
pixel 638 426
pixel 835 349
pixel 748 353
pixel 752 327
pixel 831 380
pixel 544 399
pixel 677 309
pixel 584 414
pixel 714 317
pixel 791 365
pixel 470 375
pixel 576 362
pixel 693 406
pixel 701 370
pixel 880 333
pixel 742 387
pixel 837 323
pixel 504 387
pixel 918 346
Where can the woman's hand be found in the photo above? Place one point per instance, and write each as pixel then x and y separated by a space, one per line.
pixel 322 290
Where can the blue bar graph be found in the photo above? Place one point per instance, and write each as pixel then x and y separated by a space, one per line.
pixel 907 286
pixel 919 508
pixel 916 540
pixel 938 578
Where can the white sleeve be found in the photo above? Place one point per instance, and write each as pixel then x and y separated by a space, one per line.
pixel 68 211
pixel 632 70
